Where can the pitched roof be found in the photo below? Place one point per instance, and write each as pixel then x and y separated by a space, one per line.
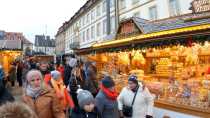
pixel 146 26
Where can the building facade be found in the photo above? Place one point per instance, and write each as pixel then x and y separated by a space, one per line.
pixel 60 40
pixel 89 24
pixel 44 45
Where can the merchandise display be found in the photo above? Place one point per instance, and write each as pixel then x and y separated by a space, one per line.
pixel 177 74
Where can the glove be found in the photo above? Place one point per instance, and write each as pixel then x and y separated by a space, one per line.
pixel 148 116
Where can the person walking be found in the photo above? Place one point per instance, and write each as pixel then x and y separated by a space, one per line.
pixel 19 73
pixel 5 95
pixel 56 83
pixel 106 99
pixel 136 96
pixel 87 108
pixel 12 74
pixel 39 98
pixel 91 83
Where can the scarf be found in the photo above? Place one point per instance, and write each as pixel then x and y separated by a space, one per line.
pixel 33 92
pixel 110 94
pixel 62 93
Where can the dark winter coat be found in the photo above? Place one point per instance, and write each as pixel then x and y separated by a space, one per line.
pixel 90 82
pixel 2 74
pixel 107 108
pixel 82 114
pixel 67 74
pixel 5 96
pixel 12 73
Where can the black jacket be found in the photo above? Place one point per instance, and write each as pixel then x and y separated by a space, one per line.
pixel 5 96
pixel 82 114
pixel 67 74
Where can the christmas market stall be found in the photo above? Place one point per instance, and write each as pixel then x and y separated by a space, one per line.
pixel 171 56
pixel 10 51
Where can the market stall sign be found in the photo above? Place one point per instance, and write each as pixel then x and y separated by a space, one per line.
pixel 200 6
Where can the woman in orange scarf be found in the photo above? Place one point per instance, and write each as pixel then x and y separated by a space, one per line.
pixel 57 84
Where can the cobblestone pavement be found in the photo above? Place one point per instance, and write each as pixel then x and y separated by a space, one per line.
pixel 16 91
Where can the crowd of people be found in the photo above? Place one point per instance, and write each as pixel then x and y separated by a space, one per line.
pixel 71 90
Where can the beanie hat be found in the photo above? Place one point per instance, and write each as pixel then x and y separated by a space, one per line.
pixel 133 78
pixel 55 74
pixel 107 82
pixel 84 98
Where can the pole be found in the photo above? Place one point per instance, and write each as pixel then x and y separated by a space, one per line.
pixel 108 25
pixel 117 14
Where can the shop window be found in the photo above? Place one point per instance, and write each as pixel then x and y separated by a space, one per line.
pixel 104 7
pixel 98 12
pixel 174 9
pixel 122 4
pixel 88 18
pixel 88 34
pixel 93 32
pixel 112 3
pixel 112 24
pixel 98 29
pixel 153 13
pixel 104 26
pixel 93 15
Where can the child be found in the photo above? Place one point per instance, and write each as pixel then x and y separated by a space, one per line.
pixel 86 103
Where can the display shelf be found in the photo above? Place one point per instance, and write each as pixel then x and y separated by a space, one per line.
pixel 182 108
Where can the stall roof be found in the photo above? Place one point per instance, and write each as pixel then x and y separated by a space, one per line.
pixel 10 44
pixel 187 20
pixel 171 26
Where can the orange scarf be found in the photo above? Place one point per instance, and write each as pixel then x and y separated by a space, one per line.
pixel 62 94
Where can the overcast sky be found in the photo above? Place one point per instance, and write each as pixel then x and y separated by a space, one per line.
pixel 33 17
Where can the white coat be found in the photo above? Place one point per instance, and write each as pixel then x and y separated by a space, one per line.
pixel 143 104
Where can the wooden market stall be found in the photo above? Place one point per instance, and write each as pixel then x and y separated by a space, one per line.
pixel 10 50
pixel 172 57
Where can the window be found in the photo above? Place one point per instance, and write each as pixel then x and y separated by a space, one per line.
pixel 153 12
pixel 104 7
pixel 83 36
pixel 135 1
pixel 104 26
pixel 98 29
pixel 93 15
pixel 137 14
pixel 79 23
pixel 112 24
pixel 173 8
pixel 112 3
pixel 83 21
pixel 88 34
pixel 98 12
pixel 122 4
pixel 88 18
pixel 93 32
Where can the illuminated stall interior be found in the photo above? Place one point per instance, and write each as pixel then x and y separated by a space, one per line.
pixel 7 57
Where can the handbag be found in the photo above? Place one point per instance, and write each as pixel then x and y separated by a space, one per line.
pixel 128 110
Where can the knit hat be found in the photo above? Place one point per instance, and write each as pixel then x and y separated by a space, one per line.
pixel 107 82
pixel 133 78
pixel 55 74
pixel 84 98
